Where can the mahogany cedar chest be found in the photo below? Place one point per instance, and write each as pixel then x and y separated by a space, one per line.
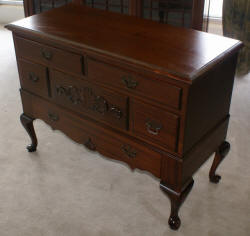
pixel 152 95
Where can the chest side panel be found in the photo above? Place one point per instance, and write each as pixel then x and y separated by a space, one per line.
pixel 209 101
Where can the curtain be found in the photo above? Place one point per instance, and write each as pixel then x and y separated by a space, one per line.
pixel 236 24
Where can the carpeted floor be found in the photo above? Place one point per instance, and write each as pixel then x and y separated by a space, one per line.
pixel 65 190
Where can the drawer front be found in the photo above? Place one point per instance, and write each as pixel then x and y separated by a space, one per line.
pixel 94 137
pixel 66 61
pixel 97 103
pixel 155 124
pixel 33 77
pixel 154 90
pixel 134 154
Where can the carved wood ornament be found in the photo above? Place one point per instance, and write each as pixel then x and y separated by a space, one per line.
pixel 87 98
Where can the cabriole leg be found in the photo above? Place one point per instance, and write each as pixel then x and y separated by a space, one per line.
pixel 176 200
pixel 27 123
pixel 219 156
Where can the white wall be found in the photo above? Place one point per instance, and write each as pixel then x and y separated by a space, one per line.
pixel 10 13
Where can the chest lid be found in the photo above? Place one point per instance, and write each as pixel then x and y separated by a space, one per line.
pixel 162 48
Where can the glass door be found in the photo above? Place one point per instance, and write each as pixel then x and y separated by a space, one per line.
pixel 120 6
pixel 45 5
pixel 38 6
pixel 174 12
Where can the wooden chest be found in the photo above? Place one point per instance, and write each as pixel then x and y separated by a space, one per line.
pixel 154 96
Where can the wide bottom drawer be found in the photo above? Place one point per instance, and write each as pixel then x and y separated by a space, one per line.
pixel 94 136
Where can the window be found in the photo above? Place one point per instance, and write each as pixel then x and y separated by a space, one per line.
pixel 215 8
pixel 11 2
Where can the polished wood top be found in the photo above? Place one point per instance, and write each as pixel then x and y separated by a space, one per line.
pixel 165 49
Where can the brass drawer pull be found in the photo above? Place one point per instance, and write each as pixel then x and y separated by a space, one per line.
pixel 129 151
pixel 53 117
pixel 33 77
pixel 90 145
pixel 46 54
pixel 100 105
pixel 129 81
pixel 153 127
pixel 117 112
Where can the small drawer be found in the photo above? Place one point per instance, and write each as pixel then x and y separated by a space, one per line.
pixel 155 124
pixel 158 91
pixel 93 136
pixel 134 154
pixel 82 97
pixel 63 60
pixel 33 77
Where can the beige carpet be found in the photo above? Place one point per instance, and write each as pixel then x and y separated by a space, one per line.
pixel 65 190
